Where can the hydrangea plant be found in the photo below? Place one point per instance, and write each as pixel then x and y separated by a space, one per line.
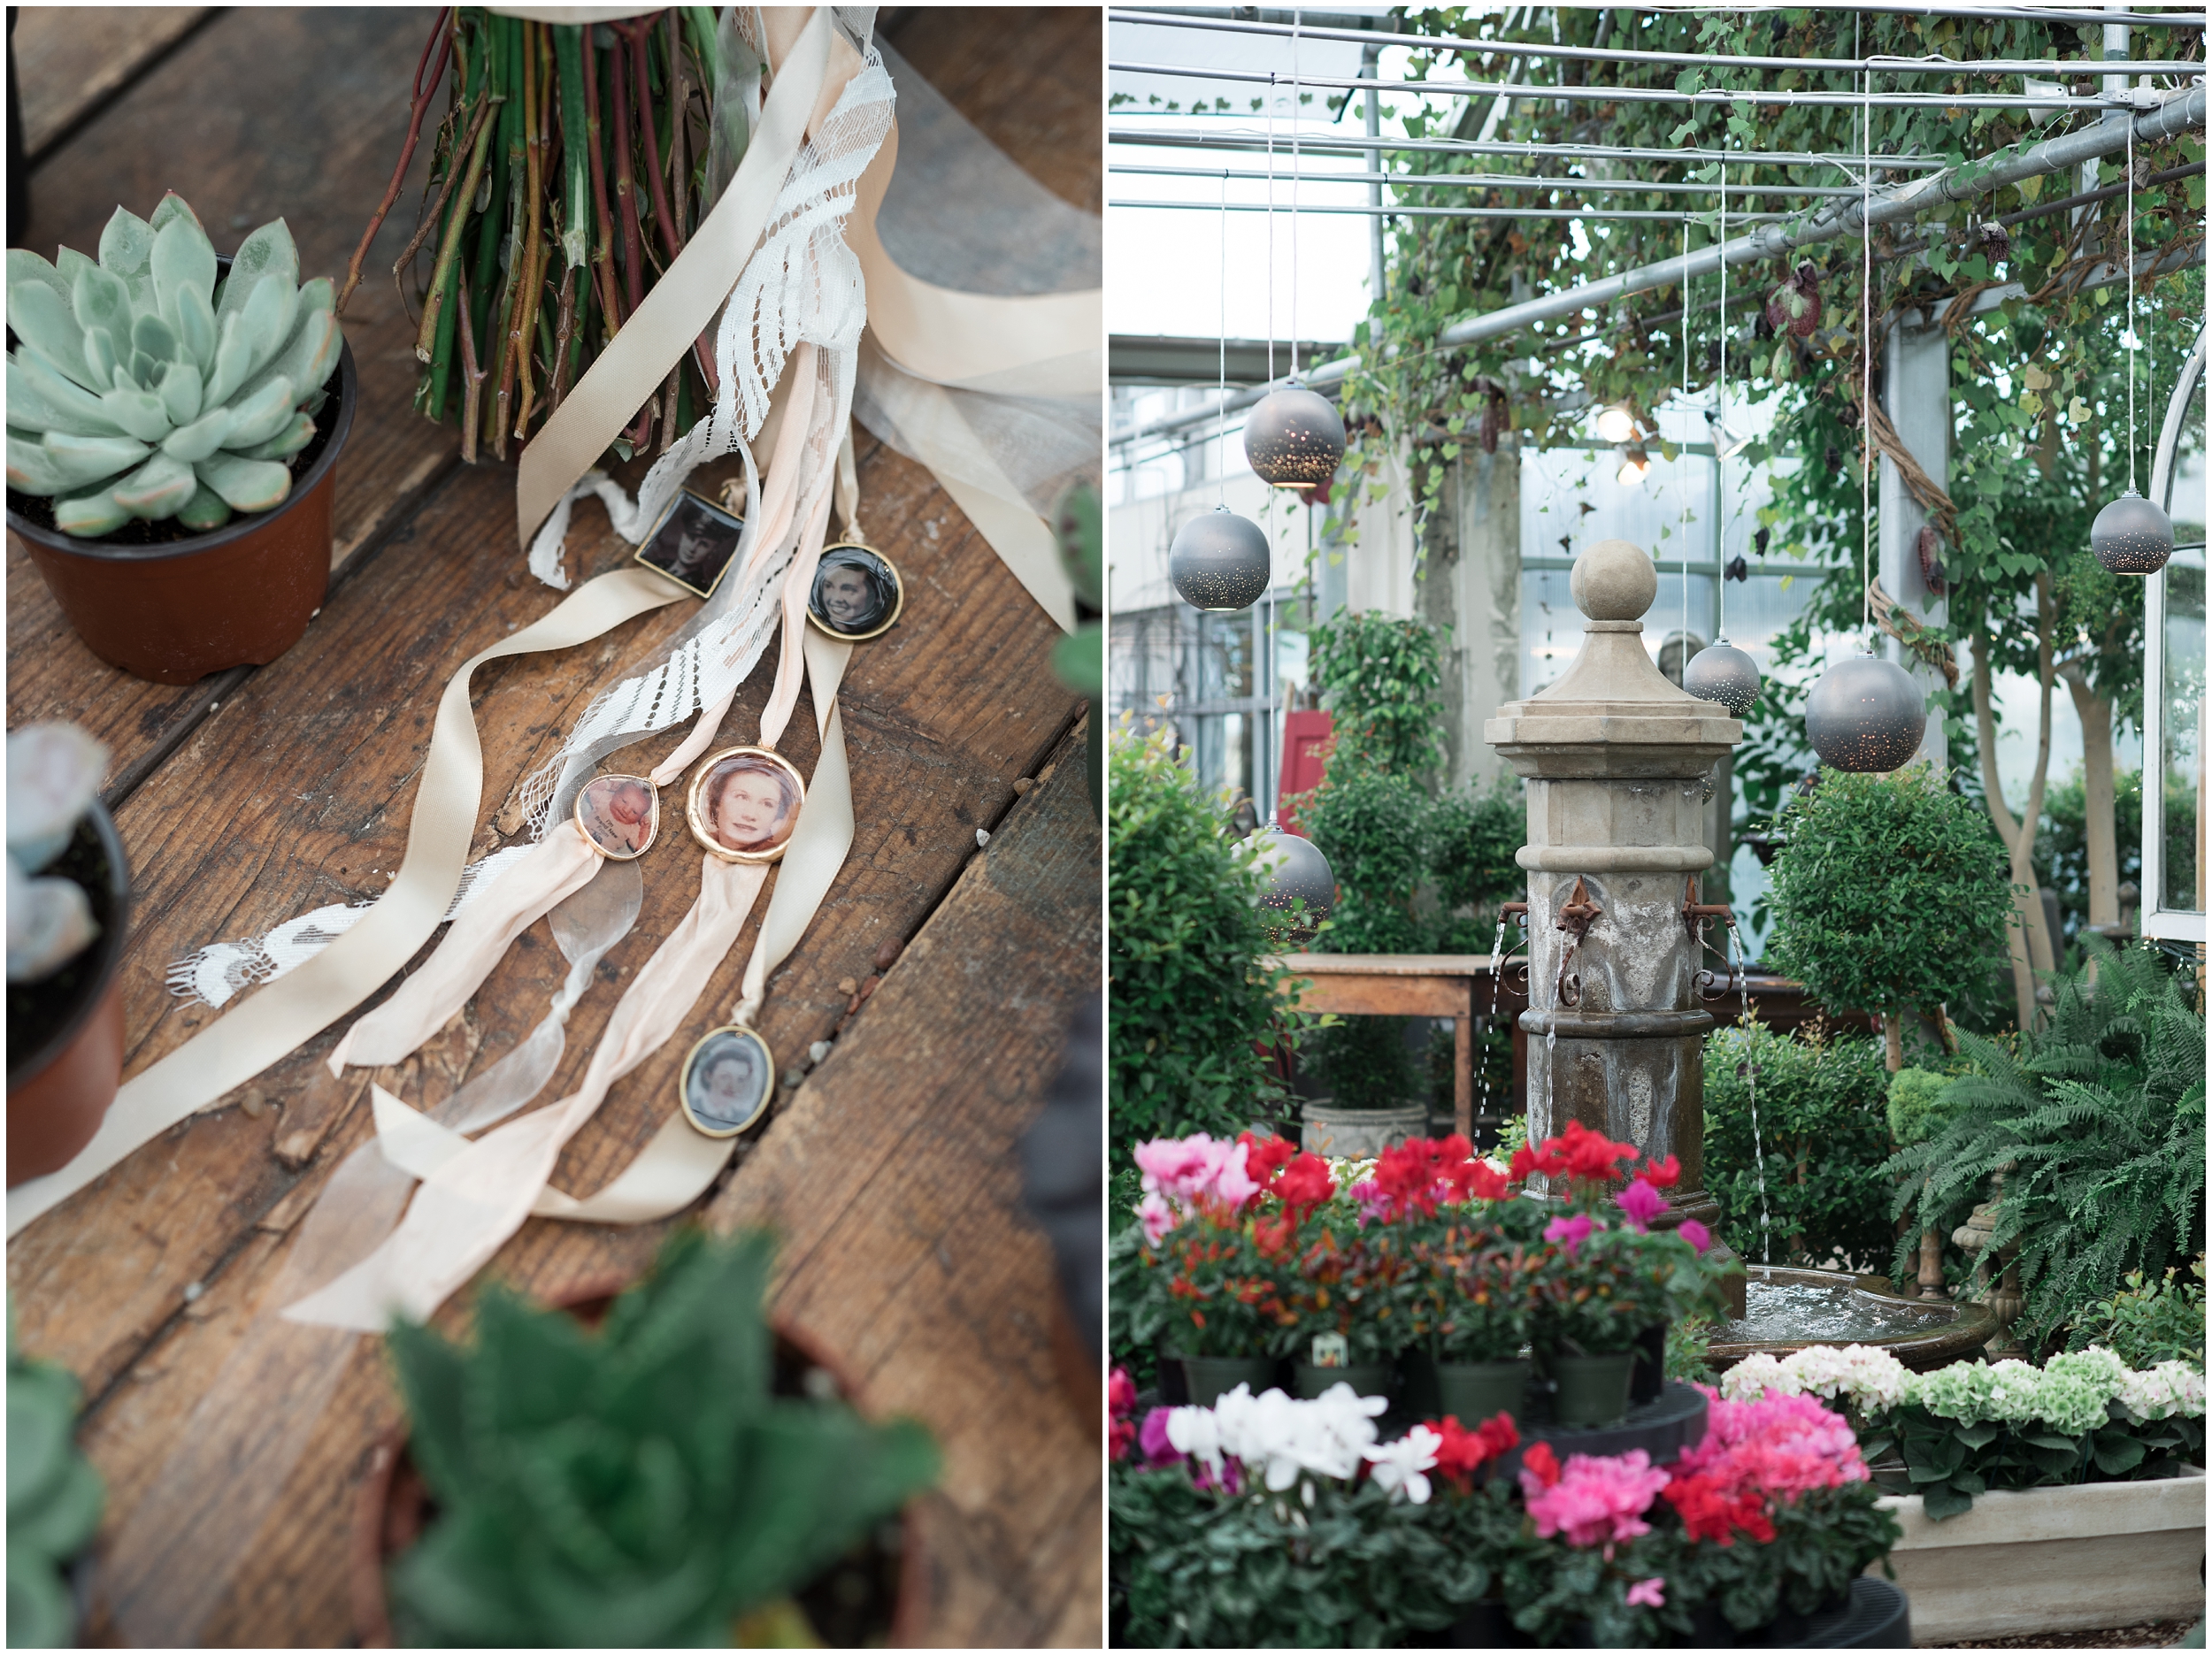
pixel 145 388
pixel 1971 1427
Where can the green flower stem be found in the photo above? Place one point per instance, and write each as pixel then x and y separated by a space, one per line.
pixel 442 273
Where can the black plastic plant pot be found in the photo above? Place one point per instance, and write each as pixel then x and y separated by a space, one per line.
pixel 65 1033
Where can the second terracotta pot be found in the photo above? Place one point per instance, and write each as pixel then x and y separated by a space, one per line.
pixel 240 595
pixel 395 1503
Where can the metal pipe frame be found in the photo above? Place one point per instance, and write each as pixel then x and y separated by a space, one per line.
pixel 1181 18
pixel 1338 143
pixel 1446 212
pixel 1489 181
pixel 1713 98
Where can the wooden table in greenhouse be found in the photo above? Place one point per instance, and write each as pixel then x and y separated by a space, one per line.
pixel 1456 985
pixel 255 795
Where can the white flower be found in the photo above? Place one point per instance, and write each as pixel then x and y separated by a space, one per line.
pixel 1863 1374
pixel 2170 1388
pixel 1279 1437
pixel 1399 1464
pixel 1755 1376
pixel 1197 1433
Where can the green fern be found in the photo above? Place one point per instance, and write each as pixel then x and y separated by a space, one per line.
pixel 2098 1125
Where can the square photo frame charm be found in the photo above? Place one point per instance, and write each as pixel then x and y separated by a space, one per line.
pixel 693 544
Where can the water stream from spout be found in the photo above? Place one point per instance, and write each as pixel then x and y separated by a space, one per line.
pixel 1751 1093
pixel 1497 959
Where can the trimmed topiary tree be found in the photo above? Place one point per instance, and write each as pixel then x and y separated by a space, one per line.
pixel 1888 891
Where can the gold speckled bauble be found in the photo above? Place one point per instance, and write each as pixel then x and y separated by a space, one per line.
pixel 1722 672
pixel 2131 536
pixel 1293 439
pixel 1294 871
pixel 1220 562
pixel 1866 715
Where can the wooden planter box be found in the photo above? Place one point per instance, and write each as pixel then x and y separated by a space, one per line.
pixel 2102 1554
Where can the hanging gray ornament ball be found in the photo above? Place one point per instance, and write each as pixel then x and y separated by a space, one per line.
pixel 1293 439
pixel 1866 713
pixel 2131 536
pixel 1293 872
pixel 1220 562
pixel 1722 672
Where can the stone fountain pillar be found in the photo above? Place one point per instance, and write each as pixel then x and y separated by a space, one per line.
pixel 1619 764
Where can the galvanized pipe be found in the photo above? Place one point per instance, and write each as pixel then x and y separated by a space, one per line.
pixel 1489 181
pixel 1337 143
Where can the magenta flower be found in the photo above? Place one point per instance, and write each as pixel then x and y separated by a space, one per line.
pixel 1641 1203
pixel 1652 1593
pixel 1598 1501
pixel 1152 1438
pixel 1777 1447
pixel 1374 1201
pixel 1570 1232
pixel 1695 1234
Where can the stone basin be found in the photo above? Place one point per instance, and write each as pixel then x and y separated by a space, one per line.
pixel 1786 1310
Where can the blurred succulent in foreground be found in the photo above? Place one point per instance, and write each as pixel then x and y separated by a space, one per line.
pixel 144 388
pixel 53 772
pixel 54 1501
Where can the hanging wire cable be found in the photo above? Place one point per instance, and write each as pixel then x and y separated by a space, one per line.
pixel 1221 429
pixel 1866 367
pixel 2131 277
pixel 1682 469
pixel 1720 430
pixel 1271 226
pixel 1295 135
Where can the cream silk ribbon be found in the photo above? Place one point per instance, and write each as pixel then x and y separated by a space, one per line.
pixel 676 1166
pixel 242 1043
pixel 476 1194
pixel 1040 345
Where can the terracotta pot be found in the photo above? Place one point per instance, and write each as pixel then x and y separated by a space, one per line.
pixel 240 595
pixel 395 1502
pixel 60 1091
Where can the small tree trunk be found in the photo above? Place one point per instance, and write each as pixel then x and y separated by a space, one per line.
pixel 2007 830
pixel 1893 1041
pixel 2098 817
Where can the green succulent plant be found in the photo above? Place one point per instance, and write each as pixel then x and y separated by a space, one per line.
pixel 144 388
pixel 639 1486
pixel 54 1500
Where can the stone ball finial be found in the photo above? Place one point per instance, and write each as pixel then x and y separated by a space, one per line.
pixel 1614 581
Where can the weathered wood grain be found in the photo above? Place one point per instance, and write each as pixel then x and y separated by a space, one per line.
pixel 893 1181
pixel 297 794
pixel 307 125
pixel 1032 90
pixel 70 59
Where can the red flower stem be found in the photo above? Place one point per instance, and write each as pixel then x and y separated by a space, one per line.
pixel 441 40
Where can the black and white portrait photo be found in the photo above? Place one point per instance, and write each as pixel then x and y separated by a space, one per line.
pixel 855 594
pixel 693 544
pixel 725 1081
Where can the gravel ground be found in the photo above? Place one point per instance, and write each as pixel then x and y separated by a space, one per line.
pixel 2157 1634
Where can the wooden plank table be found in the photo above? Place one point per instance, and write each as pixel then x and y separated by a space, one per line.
pixel 1456 985
pixel 257 794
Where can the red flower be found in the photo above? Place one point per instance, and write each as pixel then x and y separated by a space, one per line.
pixel 1708 1513
pixel 1274 1235
pixel 1523 1163
pixel 1462 1451
pixel 1663 1174
pixel 1264 1157
pixel 1591 1155
pixel 1543 1463
pixel 1305 1184
pixel 1479 1180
